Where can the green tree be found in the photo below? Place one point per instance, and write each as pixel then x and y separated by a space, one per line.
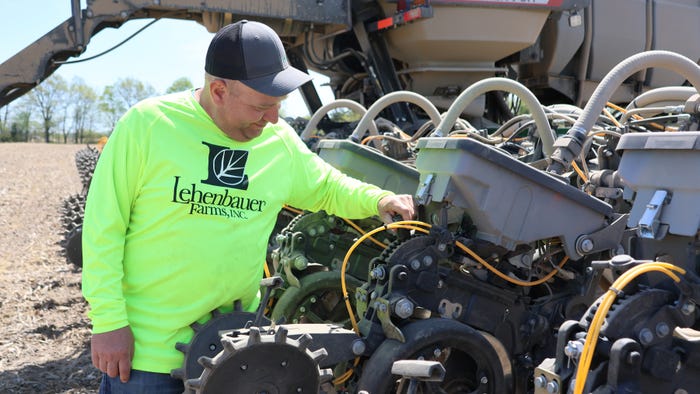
pixel 179 85
pixel 3 118
pixel 117 98
pixel 46 98
pixel 83 99
pixel 21 125
pixel 110 106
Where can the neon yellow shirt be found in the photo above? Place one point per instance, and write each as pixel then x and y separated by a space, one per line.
pixel 178 217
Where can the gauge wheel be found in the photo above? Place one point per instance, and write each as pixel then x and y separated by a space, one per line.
pixel 474 361
pixel 319 299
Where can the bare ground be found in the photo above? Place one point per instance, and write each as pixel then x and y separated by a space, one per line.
pixel 44 345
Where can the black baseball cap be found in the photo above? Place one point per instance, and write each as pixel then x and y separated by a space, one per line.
pixel 251 52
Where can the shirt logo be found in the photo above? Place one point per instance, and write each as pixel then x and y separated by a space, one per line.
pixel 226 167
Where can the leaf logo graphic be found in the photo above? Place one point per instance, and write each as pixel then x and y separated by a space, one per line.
pixel 228 166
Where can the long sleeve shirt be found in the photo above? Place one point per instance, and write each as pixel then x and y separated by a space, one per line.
pixel 178 217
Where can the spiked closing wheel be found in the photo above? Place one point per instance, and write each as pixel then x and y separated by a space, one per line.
pixel 262 363
pixel 207 340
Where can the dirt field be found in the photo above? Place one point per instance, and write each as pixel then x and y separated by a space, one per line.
pixel 45 331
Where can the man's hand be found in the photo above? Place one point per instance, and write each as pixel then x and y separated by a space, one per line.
pixel 400 204
pixel 112 352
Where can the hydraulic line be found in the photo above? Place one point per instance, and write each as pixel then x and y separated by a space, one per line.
pixel 569 145
pixel 605 304
pixel 339 103
pixel 635 112
pixel 411 225
pixel 392 98
pixel 477 89
pixel 666 95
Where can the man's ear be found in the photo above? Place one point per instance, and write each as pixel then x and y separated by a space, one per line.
pixel 218 90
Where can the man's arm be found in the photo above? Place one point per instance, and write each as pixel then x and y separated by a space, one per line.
pixel 105 223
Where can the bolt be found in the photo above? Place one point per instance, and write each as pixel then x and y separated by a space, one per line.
pixel 312 300
pixel 484 380
pixel 312 232
pixel 680 391
pixel 302 309
pixel 541 381
pixel 212 347
pixel 662 329
pixel 573 349
pixel 688 308
pixel 427 261
pixel 441 247
pixel 382 308
pixel 634 358
pixel 403 308
pixel 244 367
pixel 586 245
pixel 552 387
pixel 123 14
pixel 415 264
pixel 646 336
pixel 358 347
pixel 402 275
pixel 437 352
pixel 284 363
pixel 377 273
pixel 300 262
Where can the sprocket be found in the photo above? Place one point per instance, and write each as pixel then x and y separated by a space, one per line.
pixel 206 341
pixel 258 362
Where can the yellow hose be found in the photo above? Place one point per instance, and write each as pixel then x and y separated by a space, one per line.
pixel 605 304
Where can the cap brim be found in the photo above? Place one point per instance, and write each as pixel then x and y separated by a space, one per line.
pixel 279 84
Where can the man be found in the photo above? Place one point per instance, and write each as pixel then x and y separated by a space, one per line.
pixel 183 200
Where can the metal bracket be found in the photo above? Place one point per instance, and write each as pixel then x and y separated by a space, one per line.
pixel 422 195
pixel 649 222
pixel 390 330
pixel 607 238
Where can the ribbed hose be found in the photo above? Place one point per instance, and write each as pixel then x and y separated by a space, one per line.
pixel 391 98
pixel 676 94
pixel 489 84
pixel 663 59
pixel 612 81
pixel 340 103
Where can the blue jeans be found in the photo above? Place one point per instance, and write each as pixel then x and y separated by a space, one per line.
pixel 141 382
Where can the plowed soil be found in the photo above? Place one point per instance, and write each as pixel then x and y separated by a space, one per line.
pixel 44 342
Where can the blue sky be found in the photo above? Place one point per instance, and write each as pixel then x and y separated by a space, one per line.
pixel 167 50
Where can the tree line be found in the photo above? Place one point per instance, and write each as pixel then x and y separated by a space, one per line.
pixel 73 112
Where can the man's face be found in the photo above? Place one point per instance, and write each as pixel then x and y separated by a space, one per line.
pixel 245 112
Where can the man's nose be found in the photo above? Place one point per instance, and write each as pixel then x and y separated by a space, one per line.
pixel 271 115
